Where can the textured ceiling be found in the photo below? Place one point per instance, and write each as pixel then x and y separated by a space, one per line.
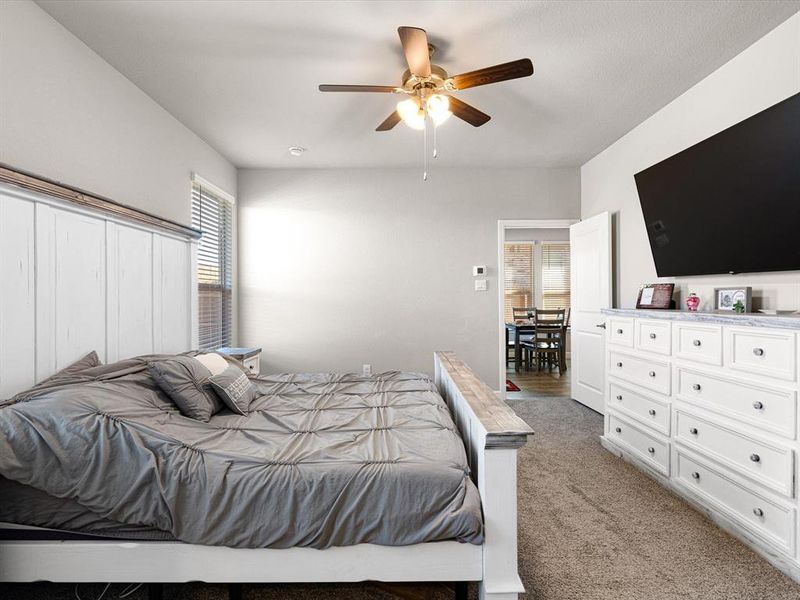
pixel 244 75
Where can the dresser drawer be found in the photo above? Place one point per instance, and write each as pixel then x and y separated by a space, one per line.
pixel 649 373
pixel 620 331
pixel 701 343
pixel 644 408
pixel 769 408
pixel 645 446
pixel 768 518
pixel 654 336
pixel 764 352
pixel 769 464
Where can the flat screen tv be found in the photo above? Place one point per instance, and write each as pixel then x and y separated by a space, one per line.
pixel 730 204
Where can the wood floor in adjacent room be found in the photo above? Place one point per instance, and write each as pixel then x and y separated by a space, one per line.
pixel 591 527
pixel 545 382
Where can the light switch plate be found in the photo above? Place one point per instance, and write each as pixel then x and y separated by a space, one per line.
pixel 481 285
pixel 478 270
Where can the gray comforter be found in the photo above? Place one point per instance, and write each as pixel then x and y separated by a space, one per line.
pixel 322 459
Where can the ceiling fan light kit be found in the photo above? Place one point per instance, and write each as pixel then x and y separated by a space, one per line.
pixel 430 88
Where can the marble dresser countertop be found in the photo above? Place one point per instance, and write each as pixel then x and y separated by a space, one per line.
pixel 791 321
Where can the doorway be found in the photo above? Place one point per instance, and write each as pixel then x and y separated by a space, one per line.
pixel 534 272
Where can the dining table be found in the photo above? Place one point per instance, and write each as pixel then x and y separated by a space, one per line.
pixel 519 328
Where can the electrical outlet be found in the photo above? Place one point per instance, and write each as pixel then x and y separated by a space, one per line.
pixel 366 370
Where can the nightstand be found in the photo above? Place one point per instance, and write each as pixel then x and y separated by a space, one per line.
pixel 249 357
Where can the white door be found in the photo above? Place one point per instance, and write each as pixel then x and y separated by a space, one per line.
pixel 590 282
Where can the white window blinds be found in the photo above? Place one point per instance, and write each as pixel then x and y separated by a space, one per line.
pixel 555 275
pixel 518 274
pixel 213 216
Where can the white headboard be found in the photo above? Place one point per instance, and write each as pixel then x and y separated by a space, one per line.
pixel 75 279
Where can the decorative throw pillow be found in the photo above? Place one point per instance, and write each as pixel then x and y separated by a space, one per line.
pixel 235 389
pixel 213 361
pixel 186 381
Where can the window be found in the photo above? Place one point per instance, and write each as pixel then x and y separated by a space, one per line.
pixel 212 214
pixel 518 274
pixel 555 275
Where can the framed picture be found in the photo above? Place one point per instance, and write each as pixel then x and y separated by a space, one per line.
pixel 726 298
pixel 655 295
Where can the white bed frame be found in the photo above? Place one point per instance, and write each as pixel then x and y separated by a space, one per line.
pixel 491 431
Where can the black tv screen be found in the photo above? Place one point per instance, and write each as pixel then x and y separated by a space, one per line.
pixel 730 204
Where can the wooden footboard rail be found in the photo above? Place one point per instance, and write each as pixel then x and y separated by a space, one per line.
pixel 492 434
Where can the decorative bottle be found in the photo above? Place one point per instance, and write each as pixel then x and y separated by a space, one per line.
pixel 693 302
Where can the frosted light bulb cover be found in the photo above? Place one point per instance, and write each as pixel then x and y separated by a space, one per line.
pixel 438 108
pixel 411 113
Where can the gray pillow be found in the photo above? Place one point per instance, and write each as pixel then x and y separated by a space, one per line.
pixel 186 381
pixel 235 389
pixel 87 361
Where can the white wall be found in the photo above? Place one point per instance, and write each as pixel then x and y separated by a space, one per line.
pixel 67 115
pixel 349 266
pixel 762 75
pixel 537 235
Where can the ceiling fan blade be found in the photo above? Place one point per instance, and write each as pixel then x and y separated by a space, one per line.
pixel 387 89
pixel 415 46
pixel 392 120
pixel 504 72
pixel 468 113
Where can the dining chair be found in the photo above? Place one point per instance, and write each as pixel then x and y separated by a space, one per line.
pixel 525 312
pixel 548 342
pixel 518 313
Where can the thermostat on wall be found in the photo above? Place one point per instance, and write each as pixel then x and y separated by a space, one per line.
pixel 478 270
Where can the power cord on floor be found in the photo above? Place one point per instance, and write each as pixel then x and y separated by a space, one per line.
pixel 127 591
pixel 100 597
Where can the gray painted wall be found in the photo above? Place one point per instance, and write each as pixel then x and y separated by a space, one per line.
pixel 762 75
pixel 349 266
pixel 68 115
pixel 537 235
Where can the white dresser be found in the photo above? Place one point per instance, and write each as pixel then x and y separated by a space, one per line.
pixel 707 405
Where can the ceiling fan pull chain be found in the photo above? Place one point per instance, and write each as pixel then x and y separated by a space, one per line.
pixel 425 147
pixel 433 125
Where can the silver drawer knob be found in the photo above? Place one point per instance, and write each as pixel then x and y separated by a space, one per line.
pixel 696 342
pixel 618 429
pixel 758 512
pixel 758 405
pixel 652 373
pixel 758 351
pixel 619 397
pixel 652 336
pixel 693 430
pixel 651 450
pixel 696 387
pixel 755 457
pixel 695 475
pixel 652 412
pixel 619 364
pixel 619 331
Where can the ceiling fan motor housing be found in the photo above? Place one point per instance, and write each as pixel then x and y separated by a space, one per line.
pixel 437 82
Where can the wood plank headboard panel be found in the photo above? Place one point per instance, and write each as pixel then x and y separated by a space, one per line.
pixel 75 278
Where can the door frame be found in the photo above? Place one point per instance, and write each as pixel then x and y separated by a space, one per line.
pixel 502 225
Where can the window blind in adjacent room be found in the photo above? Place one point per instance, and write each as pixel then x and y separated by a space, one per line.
pixel 555 275
pixel 212 214
pixel 518 274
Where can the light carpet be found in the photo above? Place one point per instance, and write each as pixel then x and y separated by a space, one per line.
pixel 591 527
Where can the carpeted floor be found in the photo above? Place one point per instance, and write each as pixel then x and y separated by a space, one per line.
pixel 591 528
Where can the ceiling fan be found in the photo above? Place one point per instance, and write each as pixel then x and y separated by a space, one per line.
pixel 429 88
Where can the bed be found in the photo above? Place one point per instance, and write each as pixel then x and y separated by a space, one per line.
pixel 327 469
pixel 54 236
